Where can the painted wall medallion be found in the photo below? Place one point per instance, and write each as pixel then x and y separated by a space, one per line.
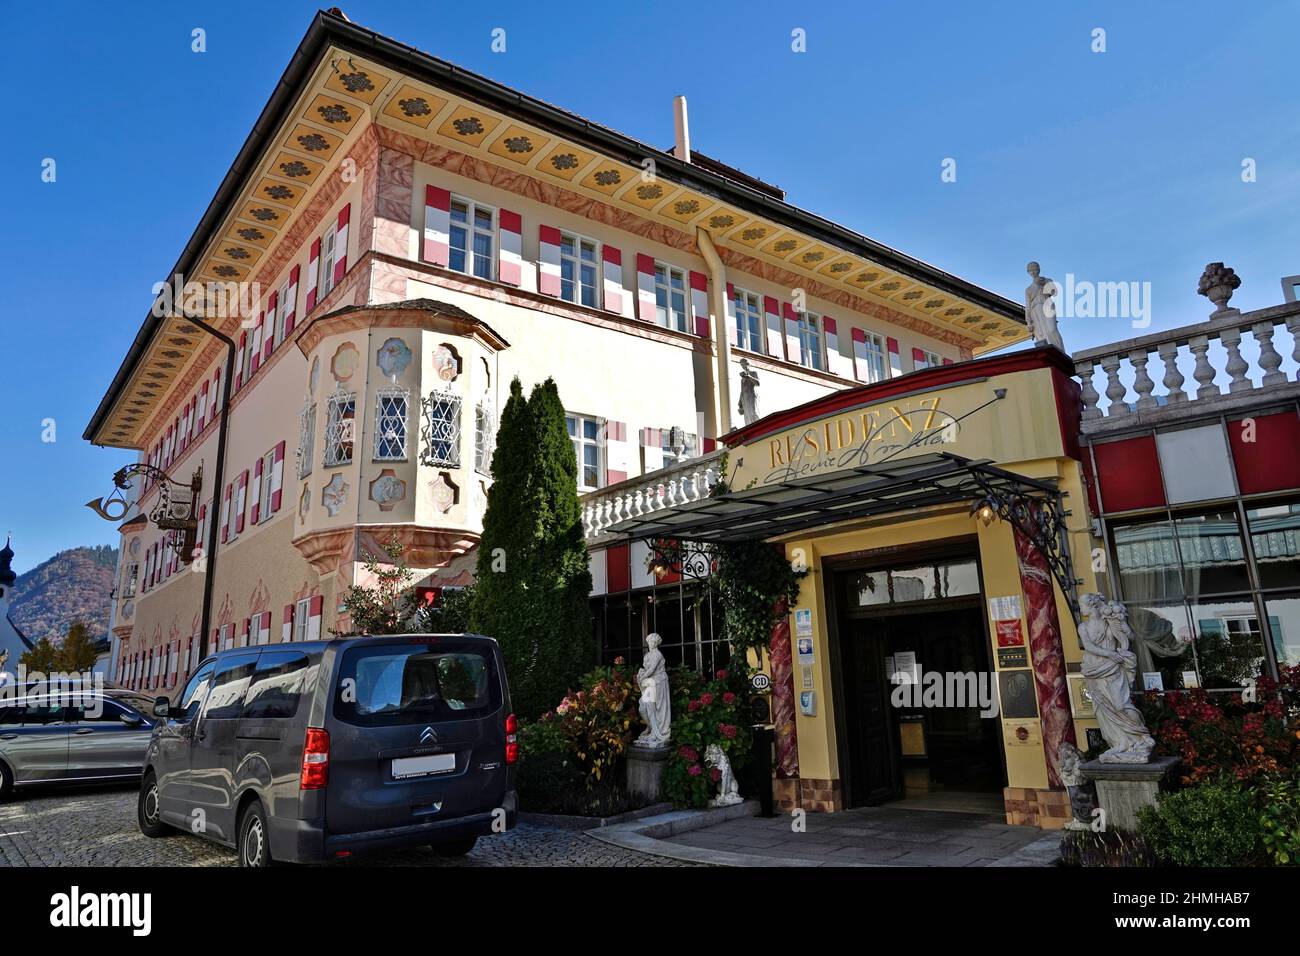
pixel 443 490
pixel 335 495
pixel 393 357
pixel 304 503
pixel 345 362
pixel 135 547
pixel 387 490
pixel 446 364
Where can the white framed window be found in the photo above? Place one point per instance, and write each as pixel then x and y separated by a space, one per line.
pixel 441 433
pixel 300 612
pixel 670 297
pixel 586 432
pixel 580 270
pixel 250 349
pixel 391 410
pixel 472 238
pixel 325 265
pixel 924 358
pixel 485 436
pixel 283 308
pixel 226 631
pixel 129 579
pixel 749 320
pixel 874 345
pixel 339 425
pixel 810 341
pixel 264 487
pixel 306 438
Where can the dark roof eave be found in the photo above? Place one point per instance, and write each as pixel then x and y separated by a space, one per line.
pixel 327 27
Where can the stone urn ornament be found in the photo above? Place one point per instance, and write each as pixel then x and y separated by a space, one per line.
pixel 728 790
pixel 1217 284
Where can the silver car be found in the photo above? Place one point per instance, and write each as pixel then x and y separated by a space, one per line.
pixel 58 739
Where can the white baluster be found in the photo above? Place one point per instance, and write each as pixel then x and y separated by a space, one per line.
pixel 1088 393
pixel 1269 360
pixel 672 492
pixel 1142 383
pixel 1293 326
pixel 1204 371
pixel 1115 389
pixel 1173 380
pixel 589 520
pixel 1237 366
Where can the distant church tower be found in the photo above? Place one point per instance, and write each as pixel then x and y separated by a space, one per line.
pixel 13 644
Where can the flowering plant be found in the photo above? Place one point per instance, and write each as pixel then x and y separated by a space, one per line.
pixel 704 712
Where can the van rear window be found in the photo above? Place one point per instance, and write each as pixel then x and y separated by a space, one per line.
pixel 407 683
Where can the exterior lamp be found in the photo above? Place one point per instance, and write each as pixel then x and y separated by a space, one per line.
pixel 986 509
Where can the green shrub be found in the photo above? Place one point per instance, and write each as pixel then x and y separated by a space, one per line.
pixel 1088 848
pixel 1278 804
pixel 1214 824
pixel 704 712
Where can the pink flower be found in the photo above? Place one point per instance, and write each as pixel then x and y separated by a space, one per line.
pixel 695 770
pixel 722 674
pixel 727 730
pixel 715 774
pixel 619 662
pixel 706 698
pixel 728 698
pixel 688 754
pixel 693 706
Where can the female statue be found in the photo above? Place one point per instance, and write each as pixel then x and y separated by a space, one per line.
pixel 655 705
pixel 1108 670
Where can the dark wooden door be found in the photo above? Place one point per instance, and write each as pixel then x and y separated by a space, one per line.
pixel 873 762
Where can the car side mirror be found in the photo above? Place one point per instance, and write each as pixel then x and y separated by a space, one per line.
pixel 161 706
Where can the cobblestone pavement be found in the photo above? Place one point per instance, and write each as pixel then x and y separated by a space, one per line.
pixel 97 827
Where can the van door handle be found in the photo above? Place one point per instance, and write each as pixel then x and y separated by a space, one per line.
pixel 8 736
pixel 84 730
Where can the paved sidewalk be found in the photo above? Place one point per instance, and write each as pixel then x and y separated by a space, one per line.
pixel 869 836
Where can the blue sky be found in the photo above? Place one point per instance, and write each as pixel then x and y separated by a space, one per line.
pixel 1115 166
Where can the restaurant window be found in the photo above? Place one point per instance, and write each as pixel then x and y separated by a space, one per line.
pixel 473 238
pixel 670 297
pixel 339 427
pixel 810 340
pixel 441 437
pixel 749 320
pixel 579 270
pixel 585 433
pixel 1275 540
pixel 686 617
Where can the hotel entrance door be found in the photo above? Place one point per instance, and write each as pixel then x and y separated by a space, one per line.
pixel 896 739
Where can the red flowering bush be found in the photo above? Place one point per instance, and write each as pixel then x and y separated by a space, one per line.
pixel 704 712
pixel 1218 734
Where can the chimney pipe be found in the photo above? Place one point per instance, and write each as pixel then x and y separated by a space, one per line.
pixel 682 127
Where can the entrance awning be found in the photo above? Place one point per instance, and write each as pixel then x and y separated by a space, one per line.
pixel 783 507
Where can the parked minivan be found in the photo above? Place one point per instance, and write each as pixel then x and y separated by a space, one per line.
pixel 319 750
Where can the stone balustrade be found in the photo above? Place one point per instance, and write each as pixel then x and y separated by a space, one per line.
pixel 1157 391
pixel 669 487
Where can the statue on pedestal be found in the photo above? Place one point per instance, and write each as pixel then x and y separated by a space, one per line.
pixel 1040 310
pixel 728 791
pixel 656 703
pixel 748 404
pixel 1109 667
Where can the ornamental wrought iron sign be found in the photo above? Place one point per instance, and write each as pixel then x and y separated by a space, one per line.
pixel 686 559
pixel 176 511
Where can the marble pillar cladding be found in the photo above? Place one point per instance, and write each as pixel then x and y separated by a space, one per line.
pixel 783 702
pixel 1046 654
pixel 393 202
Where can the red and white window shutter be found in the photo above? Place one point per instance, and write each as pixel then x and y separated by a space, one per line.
pixel 618 452
pixel 255 356
pixel 313 269
pixel 291 300
pixel 202 418
pixel 268 330
pixel 731 315
pixel 548 260
pixel 793 345
pixel 225 514
pixel 645 287
pixel 313 617
pixel 918 358
pixel 341 244
pixel 612 273
pixel 700 303
pixel 264 627
pixel 239 360
pixel 256 510
pixel 286 631
pixel 436 243
pixel 895 360
pixel 772 319
pixel 243 631
pixel 836 363
pixel 510 263
pixel 947 361
pixel 277 478
pixel 241 499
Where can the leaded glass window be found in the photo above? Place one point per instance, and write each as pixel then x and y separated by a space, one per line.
pixel 306 439
pixel 441 431
pixel 390 423
pixel 339 428
pixel 485 437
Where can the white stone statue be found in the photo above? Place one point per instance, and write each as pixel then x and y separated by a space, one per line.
pixel 1077 785
pixel 1040 310
pixel 1109 667
pixel 728 791
pixel 656 703
pixel 748 404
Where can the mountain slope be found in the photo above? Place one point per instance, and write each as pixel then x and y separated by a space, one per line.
pixel 72 586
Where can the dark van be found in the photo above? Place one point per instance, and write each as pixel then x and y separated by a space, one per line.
pixel 306 752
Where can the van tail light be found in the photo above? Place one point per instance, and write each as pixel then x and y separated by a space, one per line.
pixel 512 739
pixel 315 760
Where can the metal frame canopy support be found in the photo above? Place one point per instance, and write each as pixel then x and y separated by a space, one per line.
pixel 1033 507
